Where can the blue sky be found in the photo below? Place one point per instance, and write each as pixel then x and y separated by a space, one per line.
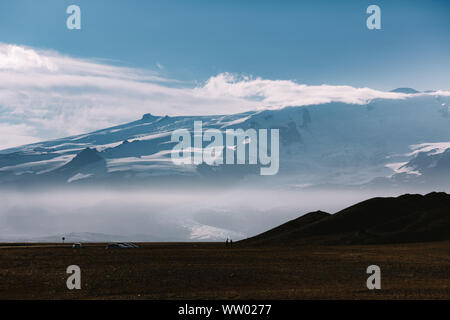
pixel 312 42
pixel 206 57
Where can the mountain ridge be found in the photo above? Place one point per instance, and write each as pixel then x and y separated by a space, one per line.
pixel 334 144
pixel 407 218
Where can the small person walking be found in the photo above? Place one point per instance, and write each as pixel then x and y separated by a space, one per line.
pixel 231 243
pixel 226 243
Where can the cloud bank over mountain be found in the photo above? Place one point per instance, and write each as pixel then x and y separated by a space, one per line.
pixel 45 94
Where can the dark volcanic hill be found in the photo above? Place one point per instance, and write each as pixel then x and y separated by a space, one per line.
pixel 408 218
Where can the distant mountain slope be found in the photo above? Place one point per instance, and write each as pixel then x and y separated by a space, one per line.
pixel 408 218
pixel 405 90
pixel 430 168
pixel 332 143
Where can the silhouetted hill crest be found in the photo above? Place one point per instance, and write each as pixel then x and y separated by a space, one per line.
pixel 407 218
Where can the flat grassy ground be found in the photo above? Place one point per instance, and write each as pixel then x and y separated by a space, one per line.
pixel 210 271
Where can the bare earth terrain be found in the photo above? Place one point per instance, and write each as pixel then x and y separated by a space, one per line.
pixel 211 271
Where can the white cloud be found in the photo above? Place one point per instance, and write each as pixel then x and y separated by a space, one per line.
pixel 12 135
pixel 19 58
pixel 53 95
pixel 282 93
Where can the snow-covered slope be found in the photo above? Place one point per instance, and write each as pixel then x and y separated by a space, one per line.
pixel 333 143
pixel 430 167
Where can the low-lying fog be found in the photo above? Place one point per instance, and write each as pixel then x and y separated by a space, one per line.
pixel 150 215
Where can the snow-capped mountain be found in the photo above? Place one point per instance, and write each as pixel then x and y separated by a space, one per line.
pixel 429 168
pixel 333 143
